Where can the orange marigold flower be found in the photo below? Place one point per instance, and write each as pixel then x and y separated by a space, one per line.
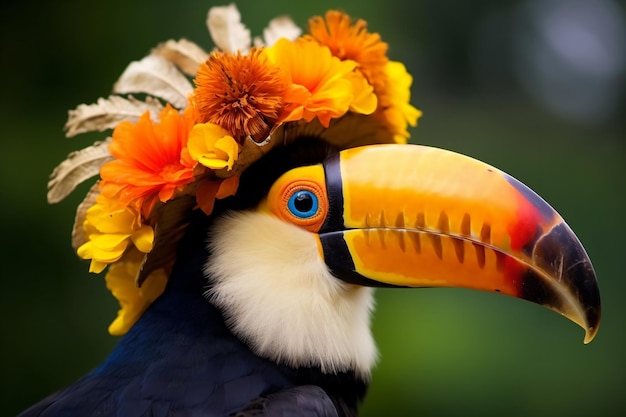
pixel 347 40
pixel 149 165
pixel 241 93
pixel 364 100
pixel 322 85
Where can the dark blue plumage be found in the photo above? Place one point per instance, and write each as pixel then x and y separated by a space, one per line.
pixel 180 359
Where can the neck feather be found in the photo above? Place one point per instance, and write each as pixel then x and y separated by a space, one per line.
pixel 278 296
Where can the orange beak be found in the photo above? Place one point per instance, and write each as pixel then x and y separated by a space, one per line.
pixel 414 216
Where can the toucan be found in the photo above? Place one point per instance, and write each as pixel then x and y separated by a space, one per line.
pixel 267 308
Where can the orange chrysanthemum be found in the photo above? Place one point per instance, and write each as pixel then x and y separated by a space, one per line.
pixel 241 93
pixel 352 41
pixel 149 166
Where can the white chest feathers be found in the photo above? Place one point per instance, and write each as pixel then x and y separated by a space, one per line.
pixel 279 297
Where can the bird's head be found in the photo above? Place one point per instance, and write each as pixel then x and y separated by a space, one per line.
pixel 295 153
pixel 294 256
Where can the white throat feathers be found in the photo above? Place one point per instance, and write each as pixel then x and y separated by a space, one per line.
pixel 278 296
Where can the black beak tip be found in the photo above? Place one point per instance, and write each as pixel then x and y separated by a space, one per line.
pixel 573 287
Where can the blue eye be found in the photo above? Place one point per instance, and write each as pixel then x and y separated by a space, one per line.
pixel 303 204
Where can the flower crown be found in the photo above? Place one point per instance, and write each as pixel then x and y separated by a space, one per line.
pixel 163 160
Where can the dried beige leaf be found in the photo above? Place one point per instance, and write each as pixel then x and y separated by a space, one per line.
pixel 278 28
pixel 78 233
pixel 171 222
pixel 156 76
pixel 184 54
pixel 226 29
pixel 106 113
pixel 78 167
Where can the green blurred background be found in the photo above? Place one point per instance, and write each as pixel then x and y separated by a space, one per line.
pixel 536 88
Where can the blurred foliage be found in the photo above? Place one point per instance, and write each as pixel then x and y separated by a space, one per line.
pixel 443 352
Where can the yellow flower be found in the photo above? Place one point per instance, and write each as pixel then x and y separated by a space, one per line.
pixel 395 100
pixel 110 228
pixel 322 85
pixel 120 280
pixel 212 146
